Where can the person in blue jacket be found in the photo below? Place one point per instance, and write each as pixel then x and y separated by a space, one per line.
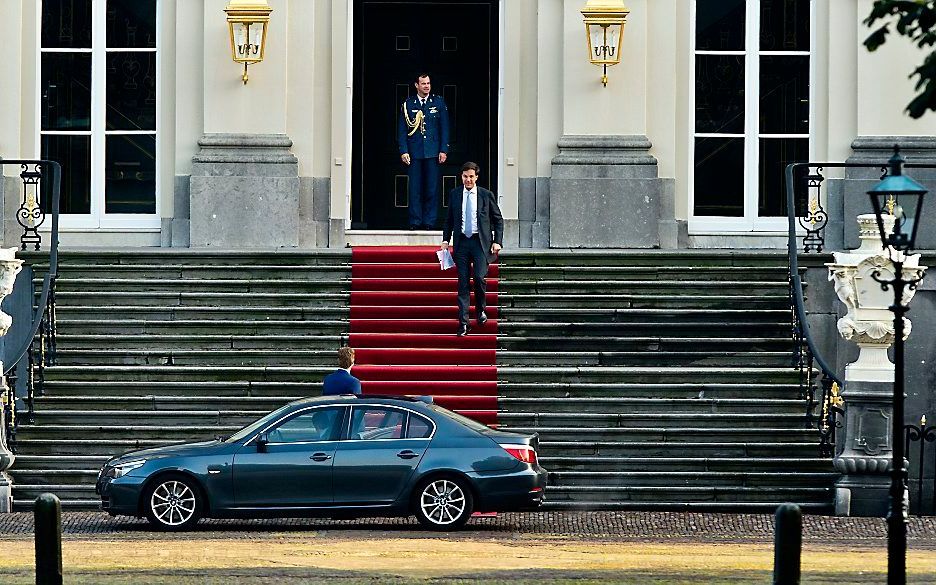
pixel 341 381
pixel 422 134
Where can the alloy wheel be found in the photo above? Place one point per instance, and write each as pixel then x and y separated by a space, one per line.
pixel 173 503
pixel 443 502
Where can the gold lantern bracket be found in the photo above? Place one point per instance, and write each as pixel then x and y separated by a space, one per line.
pixel 247 28
pixel 604 32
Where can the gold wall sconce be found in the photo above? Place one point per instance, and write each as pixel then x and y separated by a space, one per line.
pixel 247 24
pixel 604 32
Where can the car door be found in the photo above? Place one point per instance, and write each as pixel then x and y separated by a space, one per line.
pixel 376 461
pixel 295 468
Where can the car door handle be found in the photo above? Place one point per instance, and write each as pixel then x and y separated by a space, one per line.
pixel 320 457
pixel 407 454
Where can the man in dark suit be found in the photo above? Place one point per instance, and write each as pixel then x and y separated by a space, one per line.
pixel 474 227
pixel 341 381
pixel 422 135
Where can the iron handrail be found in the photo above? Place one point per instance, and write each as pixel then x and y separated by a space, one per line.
pixel 49 280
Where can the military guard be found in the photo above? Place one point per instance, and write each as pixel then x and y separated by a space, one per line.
pixel 423 134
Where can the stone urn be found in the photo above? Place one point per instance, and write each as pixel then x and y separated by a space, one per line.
pixel 864 456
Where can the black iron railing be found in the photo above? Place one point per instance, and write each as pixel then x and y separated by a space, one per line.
pixel 38 347
pixel 921 434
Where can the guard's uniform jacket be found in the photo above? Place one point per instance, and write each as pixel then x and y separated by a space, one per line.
pixel 423 132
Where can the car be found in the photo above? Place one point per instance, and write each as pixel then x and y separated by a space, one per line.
pixel 336 457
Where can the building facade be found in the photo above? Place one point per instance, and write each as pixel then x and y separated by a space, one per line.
pixel 163 144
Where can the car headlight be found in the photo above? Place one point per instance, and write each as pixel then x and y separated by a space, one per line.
pixel 123 469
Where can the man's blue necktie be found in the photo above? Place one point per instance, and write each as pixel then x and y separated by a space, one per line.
pixel 469 214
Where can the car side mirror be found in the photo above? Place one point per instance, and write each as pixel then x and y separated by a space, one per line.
pixel 262 440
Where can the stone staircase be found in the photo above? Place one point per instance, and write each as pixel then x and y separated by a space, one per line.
pixel 172 346
pixel 655 379
pixel 658 380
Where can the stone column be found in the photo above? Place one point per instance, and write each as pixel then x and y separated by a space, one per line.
pixel 244 192
pixel 9 268
pixel 865 453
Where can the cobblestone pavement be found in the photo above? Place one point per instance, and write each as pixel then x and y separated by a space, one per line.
pixel 623 525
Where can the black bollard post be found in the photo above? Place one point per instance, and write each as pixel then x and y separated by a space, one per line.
pixel 48 514
pixel 788 542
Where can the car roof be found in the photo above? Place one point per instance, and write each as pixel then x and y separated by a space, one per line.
pixel 367 399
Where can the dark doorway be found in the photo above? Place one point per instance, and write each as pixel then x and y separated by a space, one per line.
pixel 456 43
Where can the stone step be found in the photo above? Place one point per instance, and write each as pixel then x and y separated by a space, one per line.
pixel 727 506
pixel 750 422
pixel 160 298
pixel 72 497
pixel 174 270
pixel 557 463
pixel 667 287
pixel 511 273
pixel 690 478
pixel 142 418
pixel 58 462
pixel 574 405
pixel 92 313
pixel 701 447
pixel 55 476
pixel 208 357
pixel 582 495
pixel 200 326
pixel 169 342
pixel 740 389
pixel 607 315
pixel 163 403
pixel 687 432
pixel 712 375
pixel 190 256
pixel 661 326
pixel 202 387
pixel 164 433
pixel 726 298
pixel 653 258
pixel 332 286
pixel 643 358
pixel 105 448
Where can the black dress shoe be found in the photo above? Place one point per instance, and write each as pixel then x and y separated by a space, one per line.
pixel 462 330
pixel 482 319
pixel 413 227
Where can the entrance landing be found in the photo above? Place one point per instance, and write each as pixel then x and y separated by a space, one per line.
pixel 393 237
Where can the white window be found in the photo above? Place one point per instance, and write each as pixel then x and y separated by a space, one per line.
pixel 97 109
pixel 751 104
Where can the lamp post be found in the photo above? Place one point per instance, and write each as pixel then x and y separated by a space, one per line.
pixel 604 32
pixel 901 197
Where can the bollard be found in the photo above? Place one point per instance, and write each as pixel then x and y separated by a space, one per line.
pixel 788 542
pixel 48 514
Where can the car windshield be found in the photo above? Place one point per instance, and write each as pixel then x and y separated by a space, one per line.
pixel 470 423
pixel 256 425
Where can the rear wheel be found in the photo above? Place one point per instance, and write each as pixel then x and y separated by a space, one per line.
pixel 443 503
pixel 173 502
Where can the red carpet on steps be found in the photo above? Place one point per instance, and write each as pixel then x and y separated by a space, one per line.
pixel 403 321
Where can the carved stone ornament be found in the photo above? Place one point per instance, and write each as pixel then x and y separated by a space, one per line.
pixel 10 266
pixel 862 464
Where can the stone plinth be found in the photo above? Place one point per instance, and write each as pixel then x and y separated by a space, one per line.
pixel 9 268
pixel 244 192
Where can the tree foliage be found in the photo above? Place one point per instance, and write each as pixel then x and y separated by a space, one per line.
pixel 916 20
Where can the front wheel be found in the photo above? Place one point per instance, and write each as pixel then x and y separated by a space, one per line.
pixel 173 503
pixel 443 503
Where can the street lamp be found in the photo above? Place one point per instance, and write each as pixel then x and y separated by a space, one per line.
pixel 604 31
pixel 247 29
pixel 901 198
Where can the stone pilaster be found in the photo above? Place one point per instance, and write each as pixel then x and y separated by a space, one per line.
pixel 244 192
pixel 604 192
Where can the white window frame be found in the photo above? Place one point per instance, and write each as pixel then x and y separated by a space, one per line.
pixel 750 221
pixel 97 219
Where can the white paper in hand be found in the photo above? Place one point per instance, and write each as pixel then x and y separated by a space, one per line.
pixel 445 258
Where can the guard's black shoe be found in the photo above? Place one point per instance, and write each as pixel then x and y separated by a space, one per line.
pixel 413 227
pixel 482 319
pixel 462 330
